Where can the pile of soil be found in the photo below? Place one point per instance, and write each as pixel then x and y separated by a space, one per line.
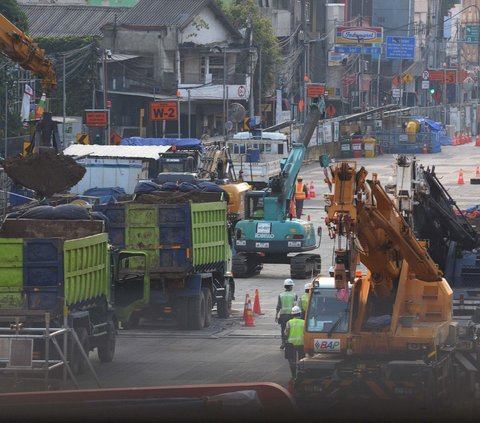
pixel 176 197
pixel 46 173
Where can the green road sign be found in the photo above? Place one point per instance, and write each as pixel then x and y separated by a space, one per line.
pixel 472 34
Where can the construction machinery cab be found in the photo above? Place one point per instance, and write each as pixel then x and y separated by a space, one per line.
pixel 254 203
pixel 328 309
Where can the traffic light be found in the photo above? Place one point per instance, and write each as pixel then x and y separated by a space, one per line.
pixel 432 91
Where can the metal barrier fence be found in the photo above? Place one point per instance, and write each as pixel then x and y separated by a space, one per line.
pixel 402 143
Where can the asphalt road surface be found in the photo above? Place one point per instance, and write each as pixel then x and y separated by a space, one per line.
pixel 159 354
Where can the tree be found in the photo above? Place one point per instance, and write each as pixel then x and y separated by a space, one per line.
pixel 81 57
pixel 12 11
pixel 247 14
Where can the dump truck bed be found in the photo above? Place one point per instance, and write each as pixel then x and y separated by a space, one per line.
pixel 47 264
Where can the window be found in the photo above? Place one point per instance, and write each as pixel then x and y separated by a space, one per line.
pixel 327 312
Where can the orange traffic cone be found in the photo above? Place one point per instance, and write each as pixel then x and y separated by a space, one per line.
pixel 311 191
pixel 247 299
pixel 477 173
pixel 460 177
pixel 256 304
pixel 248 321
pixel 308 218
pixel 292 211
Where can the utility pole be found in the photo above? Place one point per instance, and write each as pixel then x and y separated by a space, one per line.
pixel 64 95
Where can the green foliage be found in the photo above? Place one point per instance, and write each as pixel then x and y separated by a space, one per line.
pixel 63 44
pixel 80 82
pixel 12 11
pixel 244 13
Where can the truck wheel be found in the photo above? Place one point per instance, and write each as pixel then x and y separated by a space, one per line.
pixel 207 293
pixel 106 351
pixel 224 305
pixel 77 361
pixel 196 312
pixel 182 312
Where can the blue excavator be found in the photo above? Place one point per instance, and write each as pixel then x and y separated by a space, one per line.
pixel 269 233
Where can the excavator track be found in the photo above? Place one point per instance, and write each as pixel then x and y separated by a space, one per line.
pixel 245 265
pixel 303 266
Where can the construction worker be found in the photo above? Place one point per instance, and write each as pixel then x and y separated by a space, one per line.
pixel 331 271
pixel 294 351
pixel 304 299
pixel 301 193
pixel 286 301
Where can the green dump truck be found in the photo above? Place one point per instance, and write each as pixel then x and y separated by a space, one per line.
pixel 54 272
pixel 186 239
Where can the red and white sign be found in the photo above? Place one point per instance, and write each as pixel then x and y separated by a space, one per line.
pixel 315 90
pixel 97 118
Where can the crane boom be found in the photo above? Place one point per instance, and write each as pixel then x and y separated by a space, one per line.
pixel 21 49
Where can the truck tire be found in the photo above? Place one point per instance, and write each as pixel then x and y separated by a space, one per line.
pixel 224 305
pixel 181 305
pixel 77 361
pixel 207 293
pixel 196 312
pixel 106 351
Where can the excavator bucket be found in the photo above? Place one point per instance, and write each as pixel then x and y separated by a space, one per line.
pixel 46 172
pixel 44 169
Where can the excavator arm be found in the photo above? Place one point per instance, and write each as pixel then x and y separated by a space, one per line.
pixel 21 49
pixel 46 172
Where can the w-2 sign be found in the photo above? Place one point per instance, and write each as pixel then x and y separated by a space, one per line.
pixel 163 110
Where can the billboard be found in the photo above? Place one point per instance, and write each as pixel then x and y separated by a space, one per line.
pixel 358 34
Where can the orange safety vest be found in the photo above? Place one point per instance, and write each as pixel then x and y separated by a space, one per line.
pixel 299 193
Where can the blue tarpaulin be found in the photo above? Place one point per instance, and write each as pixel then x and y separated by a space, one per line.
pixel 180 143
pixel 435 127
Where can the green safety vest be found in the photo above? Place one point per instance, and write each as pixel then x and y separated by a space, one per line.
pixel 295 333
pixel 304 301
pixel 287 298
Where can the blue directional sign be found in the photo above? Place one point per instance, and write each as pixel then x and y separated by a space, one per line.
pixel 400 48
pixel 358 50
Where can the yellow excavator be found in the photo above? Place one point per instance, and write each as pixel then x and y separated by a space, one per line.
pixel 43 169
pixel 382 331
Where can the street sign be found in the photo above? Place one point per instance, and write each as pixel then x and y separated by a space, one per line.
pixel 358 34
pixel 396 92
pixel 472 34
pixel 448 75
pixel 425 85
pixel 425 75
pixel 163 110
pixel 358 50
pixel 400 48
pixel 315 90
pixel 96 118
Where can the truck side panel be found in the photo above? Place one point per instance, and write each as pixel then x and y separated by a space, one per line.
pixel 117 220
pixel 48 269
pixel 209 235
pixel 11 273
pixel 86 267
pixel 43 272
pixel 175 240
pixel 141 230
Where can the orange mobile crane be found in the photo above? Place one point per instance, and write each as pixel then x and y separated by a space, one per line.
pixel 387 333
pixel 49 172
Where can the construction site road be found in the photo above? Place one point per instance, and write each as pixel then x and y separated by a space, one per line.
pixel 159 354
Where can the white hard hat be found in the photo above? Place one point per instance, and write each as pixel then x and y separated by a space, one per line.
pixel 296 310
pixel 331 269
pixel 288 282
pixel 308 285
